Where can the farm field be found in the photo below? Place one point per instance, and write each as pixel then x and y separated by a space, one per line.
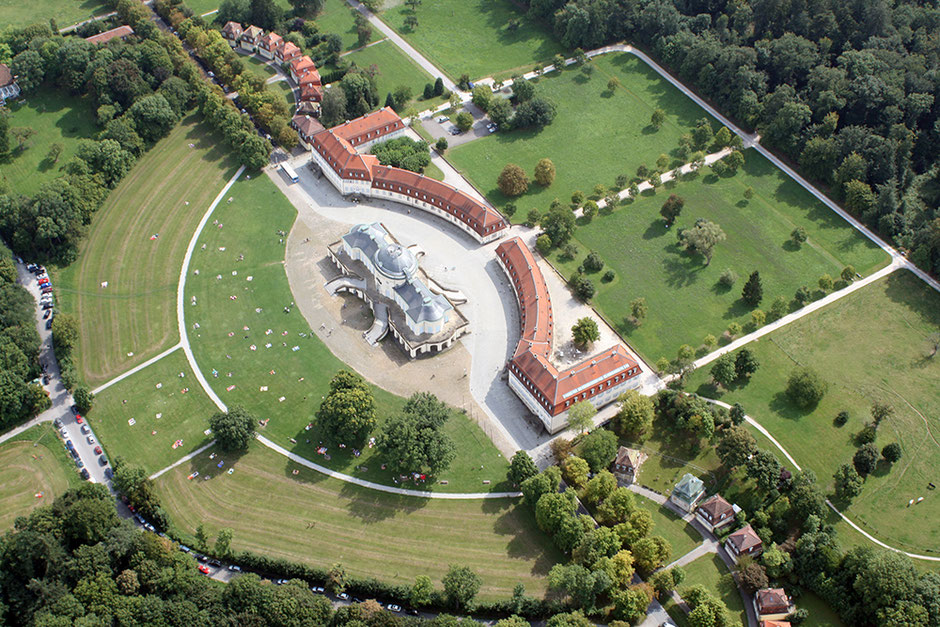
pixel 65 12
pixel 311 518
pixel 255 354
pixel 29 470
pixel 162 415
pixel 165 194
pixel 591 121
pixel 683 295
pixel 395 69
pixel 870 346
pixel 472 37
pixel 55 119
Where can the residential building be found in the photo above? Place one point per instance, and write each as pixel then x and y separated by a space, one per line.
pixel 250 38
pixel 352 173
pixel 627 464
pixel 774 623
pixel 8 87
pixel 300 66
pixel 688 492
pixel 306 126
pixel 232 33
pixel 715 512
pixel 287 52
pixel 744 541
pixel 773 604
pixel 121 32
pixel 268 43
pixel 311 93
pixel 544 389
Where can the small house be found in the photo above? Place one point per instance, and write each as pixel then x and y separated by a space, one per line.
pixel 250 38
pixel 299 66
pixel 744 541
pixel 715 512
pixel 774 623
pixel 232 33
pixel 773 604
pixel 8 87
pixel 287 52
pixel 306 127
pixel 268 44
pixel 688 492
pixel 627 464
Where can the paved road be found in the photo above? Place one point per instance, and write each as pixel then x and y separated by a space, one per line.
pixel 61 398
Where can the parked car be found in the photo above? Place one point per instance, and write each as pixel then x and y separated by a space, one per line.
pixel 47 314
pixel 63 432
pixel 204 569
pixel 46 290
pixel 84 474
pixel 79 462
pixel 74 409
pixel 443 119
pixel 91 440
pixel 184 548
pixel 47 305
pixel 455 131
pixel 85 429
pixel 413 611
pixel 49 323
pixel 97 450
pixel 317 589
pixel 343 595
pixel 391 607
pixel 108 473
pixel 57 423
pixel 103 461
pixel 235 568
pixel 280 582
pixel 69 445
pixel 215 562
pixel 45 379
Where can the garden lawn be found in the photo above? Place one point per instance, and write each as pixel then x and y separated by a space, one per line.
pixel 34 462
pixel 336 18
pixel 65 12
pixel 685 300
pixel 596 136
pixel 869 346
pixel 670 457
pixel 472 37
pixel 286 381
pixel 820 614
pixel 162 415
pixel 288 92
pixel 56 118
pixel 395 69
pixel 134 317
pixel 680 535
pixel 311 518
pixel 711 572
pixel 257 66
pixel 201 7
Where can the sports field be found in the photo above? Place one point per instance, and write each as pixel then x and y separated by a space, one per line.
pixel 685 300
pixel 65 12
pixel 136 244
pixel 162 413
pixel 255 354
pixel 472 36
pixel 56 118
pixel 33 475
pixel 395 69
pixel 311 518
pixel 869 346
pixel 597 134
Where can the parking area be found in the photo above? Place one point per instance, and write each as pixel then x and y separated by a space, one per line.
pixel 442 126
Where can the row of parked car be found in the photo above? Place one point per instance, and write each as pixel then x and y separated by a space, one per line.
pixel 90 438
pixel 46 300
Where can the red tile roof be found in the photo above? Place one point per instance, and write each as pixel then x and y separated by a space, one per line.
pixel 289 51
pixel 306 125
pixel 6 76
pixel 232 30
pixel 271 41
pixel 311 77
pixel 744 539
pixel 252 33
pixel 772 601
pixel 555 390
pixel 342 157
pixel 108 35
pixel 713 507
pixel 302 65
pixel 362 129
pixel 774 623
pixel 311 93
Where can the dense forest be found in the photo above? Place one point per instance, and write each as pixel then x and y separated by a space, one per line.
pixel 849 91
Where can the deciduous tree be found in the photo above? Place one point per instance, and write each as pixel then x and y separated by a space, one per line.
pixel 512 180
pixel 544 172
pixel 702 238
pixel 234 429
pixel 581 415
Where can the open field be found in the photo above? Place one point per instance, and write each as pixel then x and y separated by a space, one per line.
pixel 870 346
pixel 472 36
pixel 65 12
pixel 314 519
pixel 56 118
pixel 336 18
pixel 712 573
pixel 166 193
pixel 685 300
pixel 162 415
pixel 395 69
pixel 597 134
pixel 255 354
pixel 33 462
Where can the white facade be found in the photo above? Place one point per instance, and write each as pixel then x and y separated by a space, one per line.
pixel 10 91
pixel 364 146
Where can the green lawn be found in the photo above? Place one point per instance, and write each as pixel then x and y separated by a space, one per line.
pixel 869 346
pixel 302 365
pixel 684 297
pixel 162 415
pixel 711 572
pixel 257 66
pixel 311 518
pixel 65 12
pixel 201 7
pixel 395 69
pixel 683 537
pixel 34 462
pixel 472 36
pixel 166 193
pixel 336 18
pixel 285 89
pixel 56 118
pixel 670 457
pixel 820 614
pixel 597 134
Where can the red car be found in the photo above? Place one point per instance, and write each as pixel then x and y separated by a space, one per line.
pixel 204 569
pixel 79 419
pixel 97 450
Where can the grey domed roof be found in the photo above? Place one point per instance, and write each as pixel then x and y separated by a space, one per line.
pixel 395 261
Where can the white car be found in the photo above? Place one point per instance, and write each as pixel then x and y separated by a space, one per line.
pixel 442 119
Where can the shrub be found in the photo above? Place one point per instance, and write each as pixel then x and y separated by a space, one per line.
pixel 805 388
pixel 608 276
pixel 891 452
pixel 868 434
pixel 543 244
pixel 841 418
pixel 727 278
pixel 865 459
pixel 593 262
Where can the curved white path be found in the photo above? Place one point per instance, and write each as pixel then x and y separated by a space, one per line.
pixel 789 457
pixel 122 376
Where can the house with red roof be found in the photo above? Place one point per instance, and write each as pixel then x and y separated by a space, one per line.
pixel 773 604
pixel 121 32
pixel 306 126
pixel 268 43
pixel 287 52
pixel 744 541
pixel 774 623
pixel 232 33
pixel 250 38
pixel 381 125
pixel 544 389
pixel 715 512
pixel 311 93
pixel 8 87
pixel 299 66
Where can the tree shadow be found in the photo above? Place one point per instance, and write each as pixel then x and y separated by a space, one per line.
pixel 657 228
pixel 710 179
pixel 649 129
pixel 680 272
pixel 721 288
pixel 371 506
pixel 790 246
pixel 782 406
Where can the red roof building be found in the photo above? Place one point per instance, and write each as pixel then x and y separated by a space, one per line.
pixel 545 390
pixel 715 512
pixel 306 127
pixel 300 66
pixel 232 32
pixel 310 78
pixel 744 541
pixel 774 623
pixel 311 93
pixel 287 52
pixel 354 173
pixel 121 32
pixel 773 604
pixel 268 43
